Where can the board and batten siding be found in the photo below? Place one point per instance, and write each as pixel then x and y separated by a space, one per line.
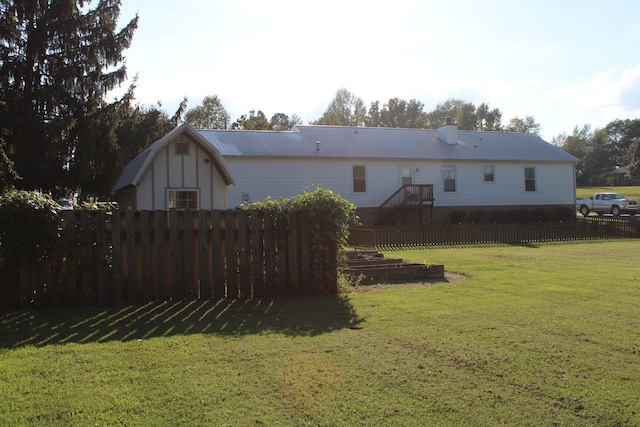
pixel 192 171
pixel 276 178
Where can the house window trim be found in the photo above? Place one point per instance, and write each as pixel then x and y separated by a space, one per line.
pixel 526 187
pixel 183 190
pixel 363 180
pixel 454 179
pixel 493 174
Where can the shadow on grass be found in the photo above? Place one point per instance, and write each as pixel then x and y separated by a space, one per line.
pixel 295 317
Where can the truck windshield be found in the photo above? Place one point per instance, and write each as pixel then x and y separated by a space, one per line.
pixel 617 196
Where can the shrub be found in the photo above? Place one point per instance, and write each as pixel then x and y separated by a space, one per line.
pixel 329 213
pixel 28 225
pixel 563 213
pixel 476 216
pixel 517 215
pixel 457 216
pixel 497 216
pixel 539 215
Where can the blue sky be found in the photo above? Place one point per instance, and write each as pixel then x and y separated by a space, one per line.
pixel 567 63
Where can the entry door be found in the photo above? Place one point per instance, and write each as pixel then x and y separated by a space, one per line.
pixel 406 175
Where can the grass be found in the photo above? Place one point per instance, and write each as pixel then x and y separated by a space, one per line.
pixel 632 192
pixel 537 335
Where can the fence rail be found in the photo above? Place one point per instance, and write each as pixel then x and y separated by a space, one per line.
pixel 457 234
pixel 137 257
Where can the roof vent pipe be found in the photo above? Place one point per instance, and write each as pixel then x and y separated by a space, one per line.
pixel 317 145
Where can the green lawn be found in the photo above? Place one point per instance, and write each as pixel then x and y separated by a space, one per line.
pixel 537 335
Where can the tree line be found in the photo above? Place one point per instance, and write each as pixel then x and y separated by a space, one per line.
pixel 59 132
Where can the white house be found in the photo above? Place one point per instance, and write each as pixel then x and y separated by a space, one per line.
pixel 449 168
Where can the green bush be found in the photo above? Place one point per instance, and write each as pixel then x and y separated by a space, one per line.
pixel 329 213
pixel 28 225
pixel 517 215
pixel 539 215
pixel 477 216
pixel 457 216
pixel 564 213
pixel 497 216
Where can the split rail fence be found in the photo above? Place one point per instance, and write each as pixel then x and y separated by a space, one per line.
pixel 107 258
pixel 591 228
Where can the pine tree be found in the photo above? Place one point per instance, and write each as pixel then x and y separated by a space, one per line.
pixel 58 61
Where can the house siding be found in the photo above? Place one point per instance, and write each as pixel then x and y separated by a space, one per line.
pixel 191 171
pixel 277 178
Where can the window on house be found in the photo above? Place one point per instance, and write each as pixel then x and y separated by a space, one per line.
pixel 359 179
pixel 182 148
pixel 488 173
pixel 449 177
pixel 530 179
pixel 183 199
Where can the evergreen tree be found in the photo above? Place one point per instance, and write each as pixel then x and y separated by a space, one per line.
pixel 58 61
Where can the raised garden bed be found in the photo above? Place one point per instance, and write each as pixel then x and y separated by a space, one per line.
pixel 372 268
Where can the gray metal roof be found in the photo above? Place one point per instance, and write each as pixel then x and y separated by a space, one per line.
pixel 384 143
pixel 352 143
pixel 136 168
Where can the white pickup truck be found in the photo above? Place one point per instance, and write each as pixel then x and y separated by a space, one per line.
pixel 602 203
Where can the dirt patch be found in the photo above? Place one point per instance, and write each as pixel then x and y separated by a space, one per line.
pixel 448 278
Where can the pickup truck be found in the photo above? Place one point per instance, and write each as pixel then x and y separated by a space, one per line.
pixel 602 203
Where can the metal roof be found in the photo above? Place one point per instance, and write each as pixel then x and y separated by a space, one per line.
pixel 136 168
pixel 311 141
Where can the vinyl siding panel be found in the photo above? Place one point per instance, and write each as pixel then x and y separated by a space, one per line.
pixel 277 178
pixel 181 172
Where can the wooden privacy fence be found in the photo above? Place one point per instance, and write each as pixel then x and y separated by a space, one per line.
pixel 456 234
pixel 140 256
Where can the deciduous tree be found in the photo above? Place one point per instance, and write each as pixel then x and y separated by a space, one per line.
pixel 345 109
pixel 527 124
pixel 211 114
pixel 252 121
pixel 281 121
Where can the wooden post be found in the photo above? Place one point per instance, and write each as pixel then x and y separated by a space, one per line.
pixel 132 264
pixel 257 253
pixel 244 251
pixel 72 253
pixel 218 265
pixel 102 258
pixel 190 289
pixel 230 254
pixel 160 249
pixel 292 256
pixel 148 293
pixel 174 251
pixel 116 243
pixel 204 255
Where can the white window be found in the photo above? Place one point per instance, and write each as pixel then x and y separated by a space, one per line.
pixel 530 179
pixel 359 179
pixel 488 173
pixel 449 178
pixel 183 199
